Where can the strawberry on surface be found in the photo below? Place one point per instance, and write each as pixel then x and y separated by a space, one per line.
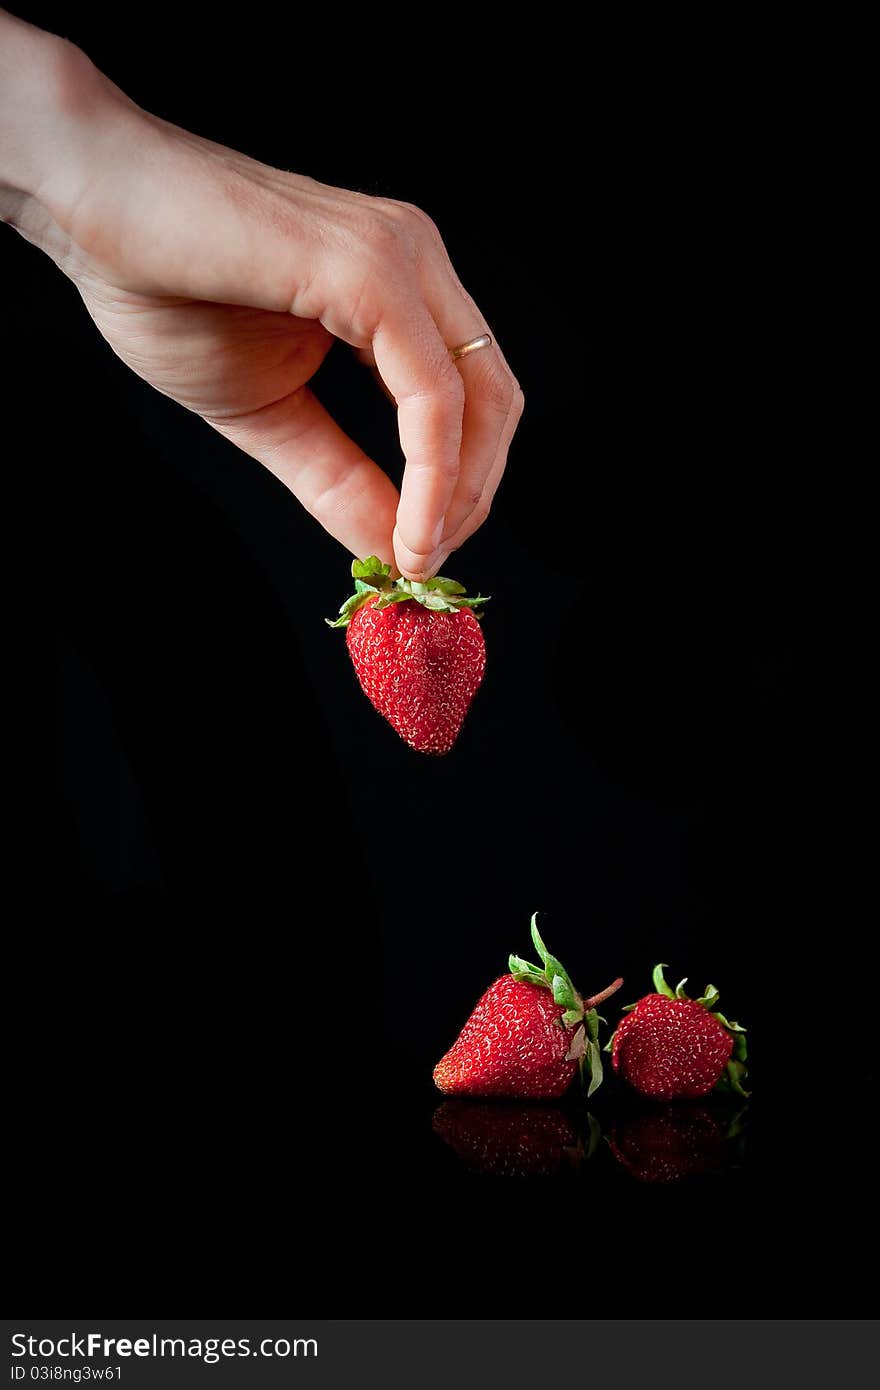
pixel 513 1044
pixel 672 1047
pixel 527 1036
pixel 417 650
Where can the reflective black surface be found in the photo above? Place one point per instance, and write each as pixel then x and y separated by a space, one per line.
pixel 652 1143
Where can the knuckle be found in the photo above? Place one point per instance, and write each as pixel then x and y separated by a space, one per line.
pixel 388 242
pixel 359 310
pixel 441 388
pixel 450 386
pixel 518 404
pixel 446 468
pixel 414 218
pixel 498 388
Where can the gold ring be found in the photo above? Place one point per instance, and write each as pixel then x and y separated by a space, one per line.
pixel 473 345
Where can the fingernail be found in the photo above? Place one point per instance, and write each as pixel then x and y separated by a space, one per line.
pixel 433 563
pixel 438 532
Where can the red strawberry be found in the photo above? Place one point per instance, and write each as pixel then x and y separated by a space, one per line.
pixel 670 1046
pixel 671 1142
pixel 417 650
pixel 508 1140
pixel 528 1035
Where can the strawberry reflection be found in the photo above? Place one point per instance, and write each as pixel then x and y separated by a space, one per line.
pixel 511 1140
pixel 668 1143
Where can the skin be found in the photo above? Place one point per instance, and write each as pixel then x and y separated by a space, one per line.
pixel 224 282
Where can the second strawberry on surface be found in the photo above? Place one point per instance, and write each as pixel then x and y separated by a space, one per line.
pixel 672 1047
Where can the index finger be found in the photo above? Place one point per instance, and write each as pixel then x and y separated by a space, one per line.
pixel 415 365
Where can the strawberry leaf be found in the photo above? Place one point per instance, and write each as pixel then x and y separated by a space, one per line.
pixel 584 1041
pixel 551 964
pixel 372 579
pixel 733 1079
pixel 738 1123
pixel 372 566
pixel 595 1137
pixel 439 602
pixel 446 586
pixel 564 992
pixel 517 963
pixel 536 938
pixel 680 992
pixel 731 1027
pixel 349 608
pixel 524 970
pixel 595 1064
pixel 709 997
pixel 660 985
pixel 390 596
pixel 578 1046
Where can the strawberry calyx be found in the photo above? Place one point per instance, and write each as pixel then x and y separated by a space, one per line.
pixel 731 1079
pixel 578 1013
pixel 372 580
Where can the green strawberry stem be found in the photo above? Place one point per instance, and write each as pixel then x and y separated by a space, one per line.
pixel 578 1013
pixel 372 580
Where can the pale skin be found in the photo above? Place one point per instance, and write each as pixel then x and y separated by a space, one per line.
pixel 224 282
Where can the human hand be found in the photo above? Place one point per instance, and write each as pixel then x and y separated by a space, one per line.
pixel 224 282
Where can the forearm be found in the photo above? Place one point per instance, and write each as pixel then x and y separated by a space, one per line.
pixel 32 65
pixel 52 105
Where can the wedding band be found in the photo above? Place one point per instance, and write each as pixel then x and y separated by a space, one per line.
pixel 473 345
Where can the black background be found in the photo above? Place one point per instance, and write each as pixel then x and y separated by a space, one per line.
pixel 289 914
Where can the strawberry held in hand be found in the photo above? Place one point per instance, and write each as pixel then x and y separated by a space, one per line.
pixel 670 1046
pixel 528 1035
pixel 417 650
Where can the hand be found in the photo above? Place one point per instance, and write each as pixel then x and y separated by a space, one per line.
pixel 224 282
